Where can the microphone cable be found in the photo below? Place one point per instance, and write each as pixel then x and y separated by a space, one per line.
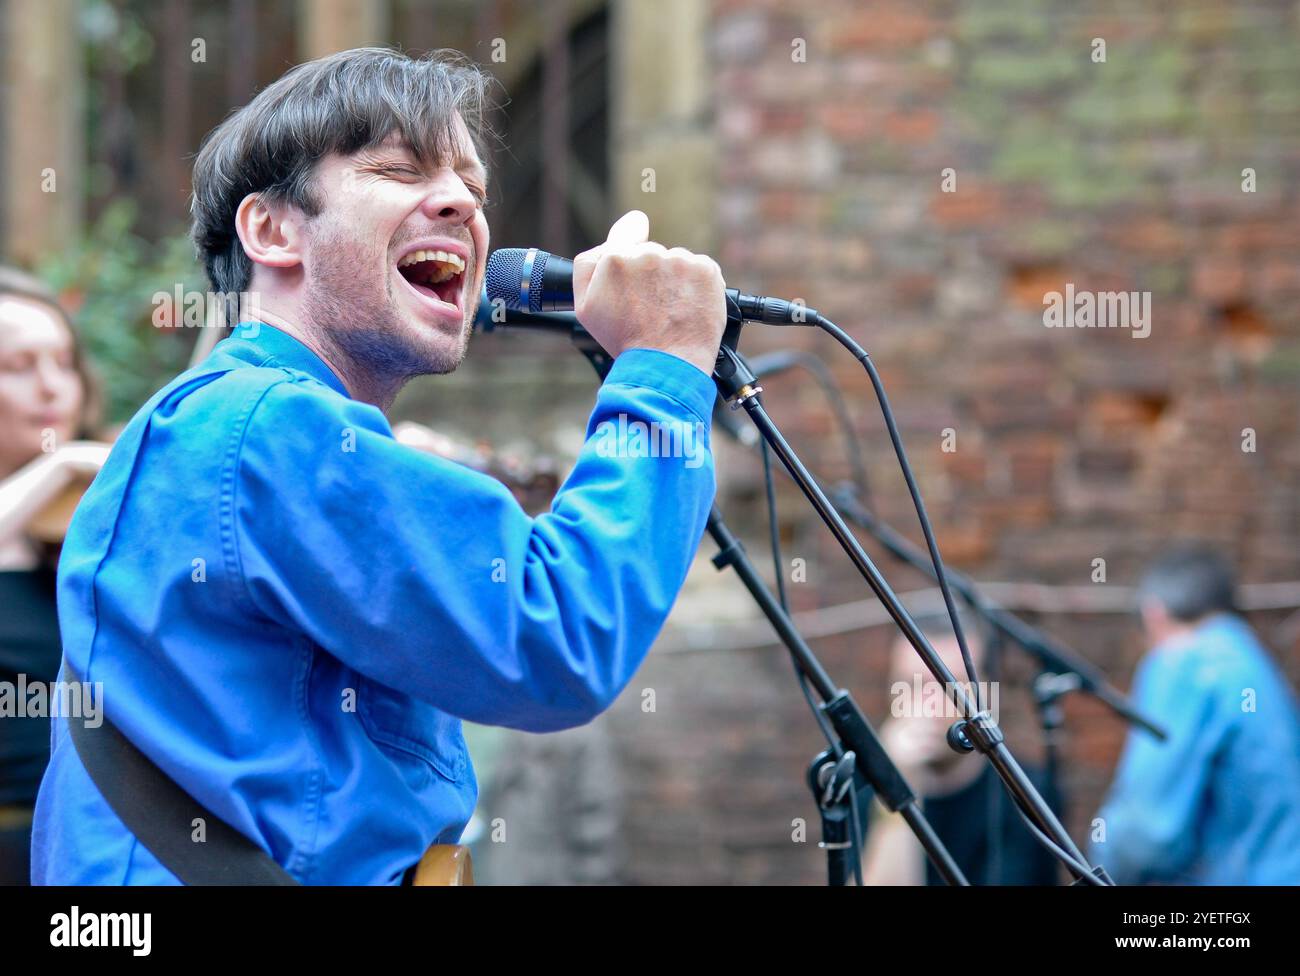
pixel 863 357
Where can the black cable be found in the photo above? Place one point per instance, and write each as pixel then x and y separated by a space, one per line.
pixel 774 536
pixel 847 341
pixel 785 358
pixel 1077 865
pixel 778 564
pixel 1079 868
pixel 862 356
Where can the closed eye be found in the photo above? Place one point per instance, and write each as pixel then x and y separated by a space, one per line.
pixel 480 195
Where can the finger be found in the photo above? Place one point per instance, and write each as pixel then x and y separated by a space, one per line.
pixel 629 230
pixel 584 265
pixel 632 228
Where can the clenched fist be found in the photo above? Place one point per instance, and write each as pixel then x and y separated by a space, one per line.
pixel 631 293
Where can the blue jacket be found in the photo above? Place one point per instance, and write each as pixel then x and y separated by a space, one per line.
pixel 1219 802
pixel 290 612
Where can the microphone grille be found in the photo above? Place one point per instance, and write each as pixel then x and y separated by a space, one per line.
pixel 505 273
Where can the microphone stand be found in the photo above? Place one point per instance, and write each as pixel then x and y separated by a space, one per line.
pixel 1048 690
pixel 833 773
pixel 977 730
pixel 1061 669
pixel 1053 656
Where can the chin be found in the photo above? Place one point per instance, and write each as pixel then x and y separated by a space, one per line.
pixel 441 352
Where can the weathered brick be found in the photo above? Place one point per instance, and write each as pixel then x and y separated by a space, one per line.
pixel 1072 444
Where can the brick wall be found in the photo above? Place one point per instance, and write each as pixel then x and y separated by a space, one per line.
pixel 1071 444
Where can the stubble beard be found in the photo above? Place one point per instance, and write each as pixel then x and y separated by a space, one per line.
pixel 360 321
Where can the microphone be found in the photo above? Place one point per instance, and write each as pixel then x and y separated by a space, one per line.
pixel 535 281
pixel 529 280
pixel 493 315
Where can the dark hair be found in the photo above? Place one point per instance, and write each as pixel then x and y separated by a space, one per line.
pixel 1190 580
pixel 341 103
pixel 19 284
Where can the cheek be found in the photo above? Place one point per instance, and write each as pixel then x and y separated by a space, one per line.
pixel 65 384
pixel 17 394
pixel 20 439
pixel 76 395
pixel 479 231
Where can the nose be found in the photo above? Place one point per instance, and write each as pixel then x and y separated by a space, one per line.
pixel 450 199
pixel 49 375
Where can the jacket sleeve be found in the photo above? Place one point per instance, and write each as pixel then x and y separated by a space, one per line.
pixel 429 577
pixel 1156 802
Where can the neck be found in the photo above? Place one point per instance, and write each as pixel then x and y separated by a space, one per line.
pixel 1180 629
pixel 362 384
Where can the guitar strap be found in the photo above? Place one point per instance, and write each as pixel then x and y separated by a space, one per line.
pixel 151 804
pixel 163 816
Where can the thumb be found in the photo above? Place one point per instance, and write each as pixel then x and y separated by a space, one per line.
pixel 632 228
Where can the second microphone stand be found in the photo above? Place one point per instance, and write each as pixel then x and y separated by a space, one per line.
pixel 977 730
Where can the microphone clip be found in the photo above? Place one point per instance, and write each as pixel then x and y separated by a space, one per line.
pixel 735 380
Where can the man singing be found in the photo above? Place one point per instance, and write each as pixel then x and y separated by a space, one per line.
pixel 290 613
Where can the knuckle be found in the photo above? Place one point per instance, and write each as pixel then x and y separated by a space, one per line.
pixel 645 258
pixel 708 270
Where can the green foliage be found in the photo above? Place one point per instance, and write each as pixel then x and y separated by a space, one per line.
pixel 112 281
pixel 115 34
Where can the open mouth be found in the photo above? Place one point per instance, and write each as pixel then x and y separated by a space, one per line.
pixel 434 274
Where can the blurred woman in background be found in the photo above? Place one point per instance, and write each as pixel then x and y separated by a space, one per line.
pixel 48 409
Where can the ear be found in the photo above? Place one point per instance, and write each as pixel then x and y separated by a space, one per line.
pixel 271 235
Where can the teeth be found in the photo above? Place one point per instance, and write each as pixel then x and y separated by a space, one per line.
pixel 452 264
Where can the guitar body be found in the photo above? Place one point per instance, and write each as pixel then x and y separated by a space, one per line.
pixel 444 864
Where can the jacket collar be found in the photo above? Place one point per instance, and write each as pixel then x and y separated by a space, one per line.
pixel 265 345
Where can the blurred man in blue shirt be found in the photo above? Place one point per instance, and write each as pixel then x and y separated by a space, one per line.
pixel 289 612
pixel 1218 802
